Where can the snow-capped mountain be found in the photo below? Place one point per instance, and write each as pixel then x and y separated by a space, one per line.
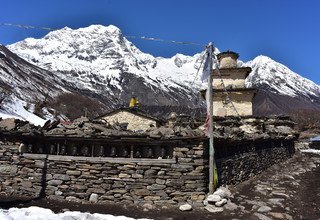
pixel 280 89
pixel 269 74
pixel 99 62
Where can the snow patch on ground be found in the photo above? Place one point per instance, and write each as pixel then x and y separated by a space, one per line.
pixel 312 151
pixel 15 108
pixel 37 213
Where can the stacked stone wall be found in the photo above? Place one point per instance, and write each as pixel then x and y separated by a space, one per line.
pixel 183 178
pixel 127 180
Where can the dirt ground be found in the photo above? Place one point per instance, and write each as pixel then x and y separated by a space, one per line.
pixel 290 190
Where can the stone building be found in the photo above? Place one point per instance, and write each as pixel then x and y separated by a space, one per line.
pixel 231 79
pixel 136 119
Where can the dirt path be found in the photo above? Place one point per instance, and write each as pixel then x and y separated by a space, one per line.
pixel 290 190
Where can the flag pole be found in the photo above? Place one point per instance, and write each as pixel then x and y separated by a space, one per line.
pixel 212 168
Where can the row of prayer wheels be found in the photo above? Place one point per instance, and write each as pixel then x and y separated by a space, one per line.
pixel 98 150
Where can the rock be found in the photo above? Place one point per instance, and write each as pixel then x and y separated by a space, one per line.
pixel 231 206
pixel 26 184
pixel 152 198
pixel 96 190
pixel 27 170
pixel 213 209
pixel 160 181
pixel 284 129
pixel 280 194
pixel 221 203
pixel 262 217
pixel 55 182
pixel 248 129
pixel 79 187
pixel 141 192
pixel 124 175
pixel 223 192
pixel 174 182
pixel 72 198
pixel 214 198
pixel 288 217
pixel 275 202
pixel 156 187
pixel 264 209
pixel 137 176
pixel 147 206
pixel 185 207
pixel 73 172
pixel 80 121
pixel 150 172
pixel 289 177
pixel 93 198
pixel 166 131
pixel 8 169
pixel 161 173
pixel 61 177
pixel 277 215
pixel 58 193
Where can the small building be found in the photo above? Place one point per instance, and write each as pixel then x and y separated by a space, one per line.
pixel 137 119
pixel 230 95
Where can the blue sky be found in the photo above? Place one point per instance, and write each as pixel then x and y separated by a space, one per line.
pixel 288 31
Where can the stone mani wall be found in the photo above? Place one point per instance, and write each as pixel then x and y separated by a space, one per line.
pixel 184 178
pixel 126 180
pixel 240 162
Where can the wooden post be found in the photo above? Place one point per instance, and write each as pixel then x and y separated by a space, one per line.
pixel 211 146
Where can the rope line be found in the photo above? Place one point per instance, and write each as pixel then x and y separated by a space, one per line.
pixel 198 70
pixel 27 26
pixel 128 36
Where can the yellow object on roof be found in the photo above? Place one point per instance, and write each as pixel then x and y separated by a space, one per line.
pixel 134 102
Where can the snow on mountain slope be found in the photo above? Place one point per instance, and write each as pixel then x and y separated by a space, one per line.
pixel 270 75
pixel 15 108
pixel 99 54
pixel 23 85
pixel 25 80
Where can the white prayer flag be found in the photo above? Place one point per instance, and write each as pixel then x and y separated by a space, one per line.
pixel 207 66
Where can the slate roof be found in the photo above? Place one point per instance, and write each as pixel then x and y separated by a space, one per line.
pixel 133 110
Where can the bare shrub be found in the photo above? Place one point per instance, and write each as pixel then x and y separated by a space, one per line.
pixel 306 119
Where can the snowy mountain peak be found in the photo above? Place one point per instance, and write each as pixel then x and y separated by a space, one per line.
pixel 92 29
pixel 262 58
pixel 97 28
pixel 97 54
pixel 269 74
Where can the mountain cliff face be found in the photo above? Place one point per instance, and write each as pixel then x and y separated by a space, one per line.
pixel 99 62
